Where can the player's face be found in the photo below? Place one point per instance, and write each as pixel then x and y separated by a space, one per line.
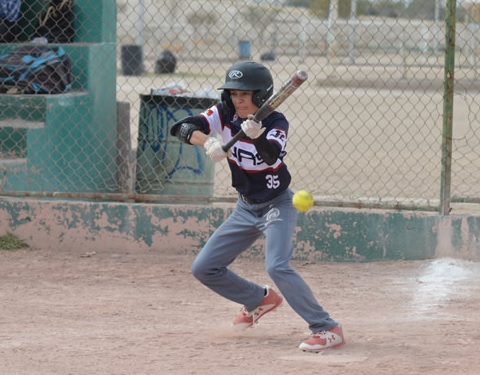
pixel 242 100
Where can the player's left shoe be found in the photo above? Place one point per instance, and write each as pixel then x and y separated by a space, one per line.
pixel 323 340
pixel 270 302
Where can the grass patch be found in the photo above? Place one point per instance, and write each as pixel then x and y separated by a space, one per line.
pixel 11 242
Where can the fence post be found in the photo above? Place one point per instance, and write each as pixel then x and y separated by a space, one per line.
pixel 446 176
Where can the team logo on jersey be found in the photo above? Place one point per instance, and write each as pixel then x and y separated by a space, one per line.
pixel 235 74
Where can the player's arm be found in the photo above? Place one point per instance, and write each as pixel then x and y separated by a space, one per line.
pixel 268 150
pixel 185 128
pixel 192 134
pixel 198 138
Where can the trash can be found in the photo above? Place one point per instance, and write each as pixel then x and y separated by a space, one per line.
pixel 166 63
pixel 166 166
pixel 132 60
pixel 244 47
pixel 268 56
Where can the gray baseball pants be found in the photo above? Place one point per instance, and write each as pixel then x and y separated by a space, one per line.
pixel 276 220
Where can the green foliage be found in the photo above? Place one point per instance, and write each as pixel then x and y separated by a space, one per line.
pixel 202 18
pixel 11 242
pixel 321 8
pixel 260 16
pixel 388 8
pixel 299 3
pixel 421 9
pixel 424 9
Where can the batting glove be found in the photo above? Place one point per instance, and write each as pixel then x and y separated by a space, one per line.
pixel 251 128
pixel 213 148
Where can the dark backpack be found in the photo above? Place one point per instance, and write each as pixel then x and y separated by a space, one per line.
pixel 34 69
pixel 56 24
pixel 10 9
pixel 9 14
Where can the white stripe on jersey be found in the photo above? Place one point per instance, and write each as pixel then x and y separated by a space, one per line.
pixel 244 154
pixel 213 117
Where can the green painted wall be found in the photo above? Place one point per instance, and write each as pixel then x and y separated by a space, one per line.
pixel 68 140
pixel 322 235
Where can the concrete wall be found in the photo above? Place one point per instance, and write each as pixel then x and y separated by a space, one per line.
pixel 322 234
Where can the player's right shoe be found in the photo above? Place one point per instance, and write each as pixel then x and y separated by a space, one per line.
pixel 324 340
pixel 270 302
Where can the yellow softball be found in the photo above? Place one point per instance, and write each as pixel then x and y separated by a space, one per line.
pixel 302 200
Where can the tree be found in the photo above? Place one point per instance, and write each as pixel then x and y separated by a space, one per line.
pixel 421 9
pixel 388 8
pixel 474 13
pixel 320 8
pixel 299 3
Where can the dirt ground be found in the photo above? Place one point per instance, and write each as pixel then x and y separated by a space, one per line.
pixel 144 314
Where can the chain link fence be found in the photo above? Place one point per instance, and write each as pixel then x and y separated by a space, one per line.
pixel 366 130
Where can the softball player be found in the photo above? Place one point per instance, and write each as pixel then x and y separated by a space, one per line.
pixel 264 205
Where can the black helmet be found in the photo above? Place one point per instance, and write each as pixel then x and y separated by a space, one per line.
pixel 250 75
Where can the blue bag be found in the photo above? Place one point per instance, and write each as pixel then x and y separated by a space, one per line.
pixel 34 69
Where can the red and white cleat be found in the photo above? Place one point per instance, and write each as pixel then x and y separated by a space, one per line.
pixel 323 340
pixel 270 302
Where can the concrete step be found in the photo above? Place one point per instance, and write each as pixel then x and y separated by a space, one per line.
pixel 18 123
pixel 30 108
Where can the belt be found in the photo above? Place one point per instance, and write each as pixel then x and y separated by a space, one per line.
pixel 250 200
pixel 254 201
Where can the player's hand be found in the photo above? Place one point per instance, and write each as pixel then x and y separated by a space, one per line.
pixel 213 148
pixel 251 128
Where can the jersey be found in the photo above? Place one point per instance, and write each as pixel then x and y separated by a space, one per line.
pixel 251 176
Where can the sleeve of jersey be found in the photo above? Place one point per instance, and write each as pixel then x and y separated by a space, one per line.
pixel 207 122
pixel 213 117
pixel 278 131
pixel 268 150
pixel 278 136
pixel 272 146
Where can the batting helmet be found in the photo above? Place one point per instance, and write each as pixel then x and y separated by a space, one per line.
pixel 250 75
